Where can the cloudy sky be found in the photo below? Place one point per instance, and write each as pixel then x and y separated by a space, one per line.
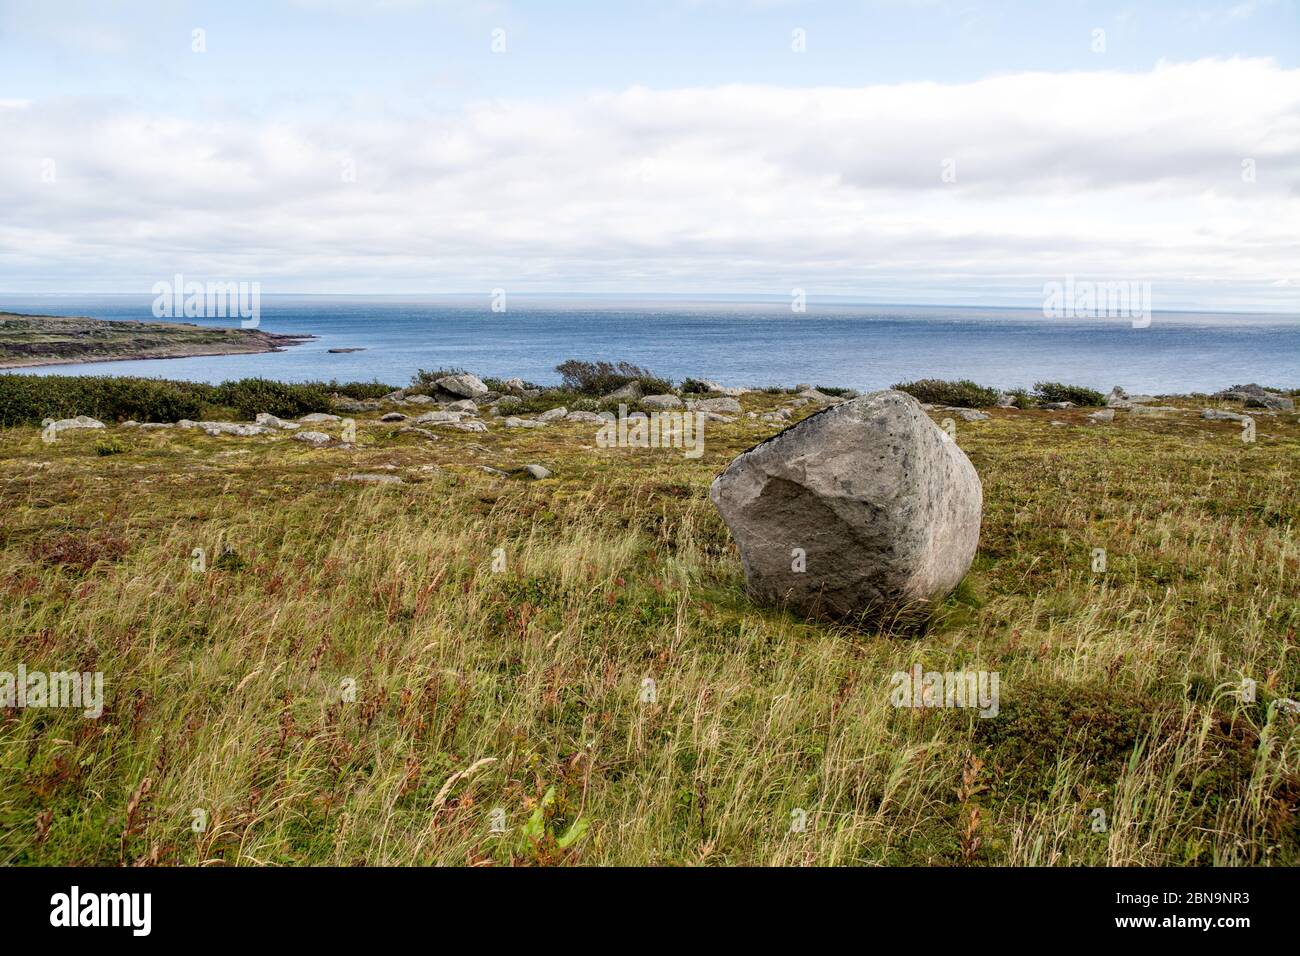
pixel 891 151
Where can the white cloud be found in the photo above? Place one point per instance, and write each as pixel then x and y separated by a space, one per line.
pixel 742 188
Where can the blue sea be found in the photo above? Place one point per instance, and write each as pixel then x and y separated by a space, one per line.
pixel 727 340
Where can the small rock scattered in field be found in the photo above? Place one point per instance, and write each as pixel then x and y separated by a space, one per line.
pixel 316 439
pixel 659 402
pixel 393 417
pixel 373 479
pixel 553 414
pixel 319 418
pixel 536 472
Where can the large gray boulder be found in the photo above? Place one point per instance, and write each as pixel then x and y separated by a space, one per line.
pixel 463 385
pixel 855 512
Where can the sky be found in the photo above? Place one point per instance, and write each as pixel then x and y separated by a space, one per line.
pixel 881 150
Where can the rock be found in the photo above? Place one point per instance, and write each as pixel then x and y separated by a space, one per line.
pixel 1058 406
pixel 536 472
pixel 1057 424
pixel 319 418
pixel 494 472
pixel 802 387
pixel 392 417
pixel 1152 409
pixel 513 422
pixel 727 406
pixel 715 417
pixel 1217 415
pixel 316 439
pixel 1116 397
pixel 553 414
pixel 418 400
pixel 154 426
pixel 464 385
pixel 1006 400
pixel 438 418
pixel 972 414
pixel 270 421
pixel 883 503
pixel 68 424
pixel 130 423
pixel 238 429
pixel 464 405
pixel 373 479
pixel 473 425
pixel 353 405
pixel 423 432
pixel 1105 415
pixel 1277 403
pixel 632 392
pixel 659 402
pixel 593 418
pixel 515 385
pixel 186 423
pixel 396 396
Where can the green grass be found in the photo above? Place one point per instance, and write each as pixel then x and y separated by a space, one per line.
pixel 228 690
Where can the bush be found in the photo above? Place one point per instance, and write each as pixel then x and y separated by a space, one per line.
pixel 836 390
pixel 109 446
pixel 358 390
pixel 424 380
pixel 1057 392
pixel 693 386
pixel 27 399
pixel 962 394
pixel 601 378
pixel 249 396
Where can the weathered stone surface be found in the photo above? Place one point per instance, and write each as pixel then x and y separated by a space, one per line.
pixel 658 402
pixel 239 429
pixel 1105 415
pixel 373 479
pixel 270 421
pixel 513 422
pixel 877 502
pixel 464 385
pixel 723 406
pixel 318 418
pixel 536 472
pixel 553 414
pixel 593 418
pixel 312 438
pixel 66 424
pixel 393 417
pixel 1215 414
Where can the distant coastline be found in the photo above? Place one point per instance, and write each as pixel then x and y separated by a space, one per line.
pixel 29 341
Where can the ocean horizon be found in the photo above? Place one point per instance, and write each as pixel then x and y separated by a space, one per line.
pixel 735 340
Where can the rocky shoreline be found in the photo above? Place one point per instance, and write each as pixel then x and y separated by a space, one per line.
pixel 30 341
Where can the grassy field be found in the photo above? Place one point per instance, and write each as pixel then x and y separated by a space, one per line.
pixel 361 676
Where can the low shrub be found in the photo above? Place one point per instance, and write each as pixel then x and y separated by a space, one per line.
pixel 27 399
pixel 961 394
pixel 249 396
pixel 109 446
pixel 1058 392
pixel 601 378
pixel 358 390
